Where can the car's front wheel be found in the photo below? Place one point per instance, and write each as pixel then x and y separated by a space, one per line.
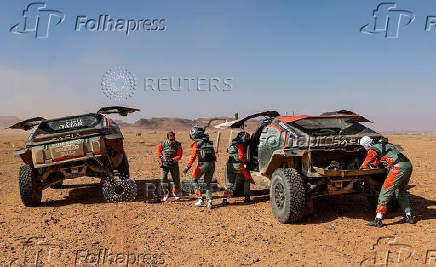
pixel 287 195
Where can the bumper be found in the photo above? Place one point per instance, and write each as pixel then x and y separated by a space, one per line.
pixel 345 173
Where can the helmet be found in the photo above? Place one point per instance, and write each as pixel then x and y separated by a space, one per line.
pixel 242 138
pixel 196 132
pixel 366 142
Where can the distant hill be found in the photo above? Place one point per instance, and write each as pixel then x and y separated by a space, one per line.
pixel 163 123
pixel 122 123
pixel 6 121
pixel 179 123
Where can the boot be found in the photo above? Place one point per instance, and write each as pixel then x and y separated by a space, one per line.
pixel 209 204
pixel 247 199
pixel 409 219
pixel 377 223
pixel 153 200
pixel 226 195
pixel 176 195
pixel 199 202
pixel 165 197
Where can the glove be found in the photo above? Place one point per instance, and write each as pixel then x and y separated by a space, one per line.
pixel 170 161
pixel 163 162
pixel 185 171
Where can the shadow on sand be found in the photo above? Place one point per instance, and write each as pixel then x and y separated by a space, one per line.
pixel 326 209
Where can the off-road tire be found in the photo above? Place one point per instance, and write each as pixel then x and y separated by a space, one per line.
pixel 30 190
pixel 57 185
pixel 392 205
pixel 121 191
pixel 287 195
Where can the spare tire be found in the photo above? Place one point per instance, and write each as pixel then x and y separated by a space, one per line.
pixel 119 191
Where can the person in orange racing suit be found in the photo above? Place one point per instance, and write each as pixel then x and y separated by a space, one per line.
pixel 170 152
pixel 399 171
pixel 203 150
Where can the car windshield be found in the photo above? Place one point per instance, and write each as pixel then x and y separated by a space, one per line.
pixel 330 126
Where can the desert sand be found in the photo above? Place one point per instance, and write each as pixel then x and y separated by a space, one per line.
pixel 74 226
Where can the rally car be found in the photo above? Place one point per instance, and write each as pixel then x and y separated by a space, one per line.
pixel 303 157
pixel 75 146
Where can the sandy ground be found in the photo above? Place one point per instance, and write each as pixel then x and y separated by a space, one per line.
pixel 75 227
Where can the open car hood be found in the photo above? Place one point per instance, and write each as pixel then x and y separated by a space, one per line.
pixel 240 123
pixel 339 112
pixel 123 111
pixel 353 118
pixel 27 124
pixel 209 123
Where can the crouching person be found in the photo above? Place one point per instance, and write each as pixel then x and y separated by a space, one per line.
pixel 236 166
pixel 202 149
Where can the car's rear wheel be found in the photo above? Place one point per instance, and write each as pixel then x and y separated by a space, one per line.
pixel 30 188
pixel 287 195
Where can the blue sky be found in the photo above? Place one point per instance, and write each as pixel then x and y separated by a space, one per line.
pixel 304 56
